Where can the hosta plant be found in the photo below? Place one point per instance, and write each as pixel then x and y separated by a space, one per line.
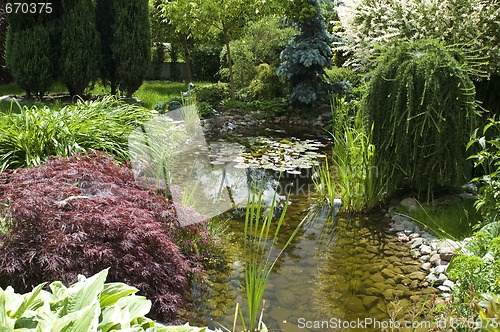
pixel 87 305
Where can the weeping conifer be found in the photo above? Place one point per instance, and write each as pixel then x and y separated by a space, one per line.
pixel 421 102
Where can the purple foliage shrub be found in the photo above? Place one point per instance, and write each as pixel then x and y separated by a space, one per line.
pixel 81 214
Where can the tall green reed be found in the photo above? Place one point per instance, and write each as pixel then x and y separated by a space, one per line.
pixel 261 240
pixel 324 183
pixel 361 180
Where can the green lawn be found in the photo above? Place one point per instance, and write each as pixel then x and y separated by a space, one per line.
pixel 454 219
pixel 150 93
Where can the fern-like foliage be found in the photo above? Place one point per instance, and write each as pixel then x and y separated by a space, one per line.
pixel 422 105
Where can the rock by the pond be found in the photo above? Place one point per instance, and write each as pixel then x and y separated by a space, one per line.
pixel 444 289
pixel 409 203
pixel 448 283
pixel 426 266
pixel 435 259
pixel 447 249
pixel 387 273
pixel 369 302
pixel 416 275
pixel 440 269
pixel 416 243
pixel 425 249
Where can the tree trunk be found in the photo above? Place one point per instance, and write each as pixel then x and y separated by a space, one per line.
pixel 229 62
pixel 187 59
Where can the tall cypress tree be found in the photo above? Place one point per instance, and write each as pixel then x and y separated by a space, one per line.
pixel 125 34
pixel 131 47
pixel 308 54
pixel 80 45
pixel 105 18
pixel 32 47
pixel 4 74
pixel 29 53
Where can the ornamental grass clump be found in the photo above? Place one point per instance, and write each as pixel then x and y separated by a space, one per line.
pixel 27 138
pixel 421 102
pixel 82 214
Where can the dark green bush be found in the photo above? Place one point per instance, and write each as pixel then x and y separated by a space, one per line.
pixel 79 46
pixel 421 102
pixel 131 49
pixel 266 84
pixel 261 43
pixel 205 62
pixel 29 57
pixel 213 94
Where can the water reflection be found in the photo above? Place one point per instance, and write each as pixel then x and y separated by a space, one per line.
pixel 170 154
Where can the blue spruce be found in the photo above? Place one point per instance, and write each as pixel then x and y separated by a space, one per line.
pixel 307 55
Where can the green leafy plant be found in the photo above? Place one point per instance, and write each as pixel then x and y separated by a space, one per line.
pixel 213 94
pixel 477 266
pixel 360 176
pixel 421 102
pixel 261 256
pixel 34 134
pixel 487 158
pixel 88 305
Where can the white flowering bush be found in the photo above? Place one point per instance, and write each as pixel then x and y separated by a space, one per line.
pixel 369 24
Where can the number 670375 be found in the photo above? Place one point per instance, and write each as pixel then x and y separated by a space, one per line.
pixel 28 8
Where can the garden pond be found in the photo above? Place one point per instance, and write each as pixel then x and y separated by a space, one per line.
pixel 338 268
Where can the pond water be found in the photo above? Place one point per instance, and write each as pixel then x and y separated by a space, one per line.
pixel 339 268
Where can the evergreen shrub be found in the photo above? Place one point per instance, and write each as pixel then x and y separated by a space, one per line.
pixel 421 102
pixel 80 45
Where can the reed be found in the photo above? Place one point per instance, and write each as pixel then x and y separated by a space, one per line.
pixel 261 243
pixel 359 176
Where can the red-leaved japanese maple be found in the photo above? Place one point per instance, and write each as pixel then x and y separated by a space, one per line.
pixel 81 214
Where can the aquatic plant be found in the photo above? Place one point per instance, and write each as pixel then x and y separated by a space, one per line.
pixel 261 255
pixel 359 175
pixel 324 183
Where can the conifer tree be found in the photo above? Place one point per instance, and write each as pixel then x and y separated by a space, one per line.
pixel 79 46
pixel 29 53
pixel 131 46
pixel 307 55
